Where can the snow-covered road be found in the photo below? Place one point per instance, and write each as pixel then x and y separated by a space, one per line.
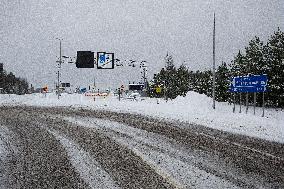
pixel 175 163
pixel 79 148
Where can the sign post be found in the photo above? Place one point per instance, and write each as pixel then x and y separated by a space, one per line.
pixel 240 103
pixel 234 108
pixel 263 104
pixel 247 103
pixel 254 102
pixel 105 60
pixel 249 84
pixel 118 94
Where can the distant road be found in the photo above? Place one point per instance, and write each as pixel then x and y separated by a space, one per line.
pixel 78 148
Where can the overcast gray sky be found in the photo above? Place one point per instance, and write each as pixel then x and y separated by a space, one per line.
pixel 132 29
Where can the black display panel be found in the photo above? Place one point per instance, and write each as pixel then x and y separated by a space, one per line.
pixel 85 59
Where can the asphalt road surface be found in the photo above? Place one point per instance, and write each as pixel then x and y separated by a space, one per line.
pixel 79 148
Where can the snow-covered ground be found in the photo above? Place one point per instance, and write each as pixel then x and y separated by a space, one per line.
pixel 194 108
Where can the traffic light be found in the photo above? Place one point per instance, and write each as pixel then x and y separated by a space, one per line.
pixel 85 59
pixel 1 67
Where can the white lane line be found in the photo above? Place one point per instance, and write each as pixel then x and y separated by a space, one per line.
pixel 89 170
pixel 146 145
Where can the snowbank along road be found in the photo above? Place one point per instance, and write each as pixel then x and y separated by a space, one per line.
pixel 79 148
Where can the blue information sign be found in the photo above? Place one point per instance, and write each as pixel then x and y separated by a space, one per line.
pixel 105 60
pixel 250 84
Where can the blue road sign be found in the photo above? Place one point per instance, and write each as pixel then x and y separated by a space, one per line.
pixel 254 80
pixel 248 89
pixel 251 84
pixel 105 60
pixel 102 59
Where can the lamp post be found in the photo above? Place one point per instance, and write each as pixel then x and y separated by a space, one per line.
pixel 144 70
pixel 59 67
pixel 214 75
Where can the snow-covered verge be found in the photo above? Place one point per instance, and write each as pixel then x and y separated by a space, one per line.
pixel 194 108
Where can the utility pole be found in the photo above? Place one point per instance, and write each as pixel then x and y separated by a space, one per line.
pixel 214 75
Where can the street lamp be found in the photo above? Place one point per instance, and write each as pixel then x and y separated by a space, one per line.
pixel 214 74
pixel 144 70
pixel 59 66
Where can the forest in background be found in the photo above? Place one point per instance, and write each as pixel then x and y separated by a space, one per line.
pixel 257 58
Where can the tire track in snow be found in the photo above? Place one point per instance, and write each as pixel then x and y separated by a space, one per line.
pixel 41 161
pixel 122 164
pixel 8 154
pixel 157 152
pixel 4 152
pixel 90 171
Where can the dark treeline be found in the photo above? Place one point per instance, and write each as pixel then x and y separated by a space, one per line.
pixel 257 58
pixel 11 84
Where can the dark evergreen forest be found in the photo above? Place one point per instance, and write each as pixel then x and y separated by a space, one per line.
pixel 257 58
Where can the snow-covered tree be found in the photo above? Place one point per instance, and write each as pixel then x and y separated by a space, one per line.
pixel 274 59
pixel 12 84
pixel 222 83
pixel 174 82
pixel 264 59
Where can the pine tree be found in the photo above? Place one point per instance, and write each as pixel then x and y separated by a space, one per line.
pixel 238 65
pixel 183 76
pixel 174 82
pixel 254 58
pixel 222 83
pixel 171 88
pixel 264 59
pixel 202 82
pixel 12 84
pixel 275 61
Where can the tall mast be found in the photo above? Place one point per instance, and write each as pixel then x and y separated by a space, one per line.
pixel 214 75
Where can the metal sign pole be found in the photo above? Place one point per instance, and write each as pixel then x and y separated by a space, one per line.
pixel 234 108
pixel 247 102
pixel 254 102
pixel 263 104
pixel 214 74
pixel 59 67
pixel 59 72
pixel 118 94
pixel 240 103
pixel 250 84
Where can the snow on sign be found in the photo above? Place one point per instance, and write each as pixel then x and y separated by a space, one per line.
pixel 251 84
pixel 105 60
